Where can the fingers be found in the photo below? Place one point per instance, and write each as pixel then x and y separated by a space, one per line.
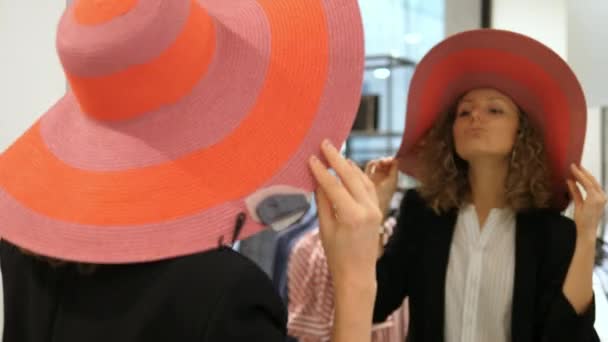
pixel 325 212
pixel 370 168
pixel 383 165
pixel 387 160
pixel 589 177
pixel 593 189
pixel 345 171
pixel 575 192
pixel 394 168
pixel 582 178
pixel 367 183
pixel 389 164
pixel 330 185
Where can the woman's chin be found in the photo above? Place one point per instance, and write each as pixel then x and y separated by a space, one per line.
pixel 483 155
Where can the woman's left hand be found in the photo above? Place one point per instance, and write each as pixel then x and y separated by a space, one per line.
pixel 589 210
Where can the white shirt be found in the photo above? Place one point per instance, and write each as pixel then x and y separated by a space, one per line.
pixel 480 276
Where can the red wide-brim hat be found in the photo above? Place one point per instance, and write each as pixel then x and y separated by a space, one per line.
pixel 538 80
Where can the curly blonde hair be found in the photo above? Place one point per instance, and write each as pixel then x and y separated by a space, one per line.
pixel 444 175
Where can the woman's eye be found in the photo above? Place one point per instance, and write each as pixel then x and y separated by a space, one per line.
pixel 463 113
pixel 496 111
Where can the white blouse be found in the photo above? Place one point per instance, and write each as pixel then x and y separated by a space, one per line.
pixel 480 276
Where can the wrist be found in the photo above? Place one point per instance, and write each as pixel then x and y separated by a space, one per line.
pixel 384 208
pixel 585 249
pixel 363 289
pixel 355 283
pixel 586 238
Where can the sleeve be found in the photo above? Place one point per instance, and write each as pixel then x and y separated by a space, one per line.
pixel 391 268
pixel 560 320
pixel 250 311
pixel 311 297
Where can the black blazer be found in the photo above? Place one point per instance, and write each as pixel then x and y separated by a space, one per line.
pixel 415 262
pixel 215 296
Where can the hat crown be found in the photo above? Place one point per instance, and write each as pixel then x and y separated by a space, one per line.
pixel 123 58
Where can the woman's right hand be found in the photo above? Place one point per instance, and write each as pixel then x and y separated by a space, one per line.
pixel 349 220
pixel 349 217
pixel 384 174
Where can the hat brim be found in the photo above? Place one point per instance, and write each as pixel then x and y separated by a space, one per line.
pixel 536 78
pixel 74 207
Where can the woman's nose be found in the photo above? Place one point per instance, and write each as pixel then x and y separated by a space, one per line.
pixel 475 114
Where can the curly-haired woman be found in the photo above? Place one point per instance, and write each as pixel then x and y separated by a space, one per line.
pixel 494 134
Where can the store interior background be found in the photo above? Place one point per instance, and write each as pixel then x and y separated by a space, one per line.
pixel 398 34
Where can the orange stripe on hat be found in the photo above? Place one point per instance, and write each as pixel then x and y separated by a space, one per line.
pixel 95 12
pixel 162 81
pixel 204 179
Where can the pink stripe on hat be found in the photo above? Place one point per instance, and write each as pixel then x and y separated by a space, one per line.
pixel 135 38
pixel 199 120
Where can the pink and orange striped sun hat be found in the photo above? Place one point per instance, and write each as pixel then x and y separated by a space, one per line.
pixel 536 78
pixel 179 113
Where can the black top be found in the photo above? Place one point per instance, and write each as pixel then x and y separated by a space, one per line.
pixel 213 296
pixel 415 261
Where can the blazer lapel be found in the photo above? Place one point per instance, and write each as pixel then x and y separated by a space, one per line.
pixel 522 316
pixel 436 257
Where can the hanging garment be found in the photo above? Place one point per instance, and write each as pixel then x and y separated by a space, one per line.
pixel 311 296
pixel 284 243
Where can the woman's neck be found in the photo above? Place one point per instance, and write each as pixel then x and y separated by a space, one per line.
pixel 487 181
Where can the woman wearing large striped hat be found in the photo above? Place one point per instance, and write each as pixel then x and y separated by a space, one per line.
pixel 494 133
pixel 187 125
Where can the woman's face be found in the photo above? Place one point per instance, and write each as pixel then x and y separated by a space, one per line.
pixel 486 125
